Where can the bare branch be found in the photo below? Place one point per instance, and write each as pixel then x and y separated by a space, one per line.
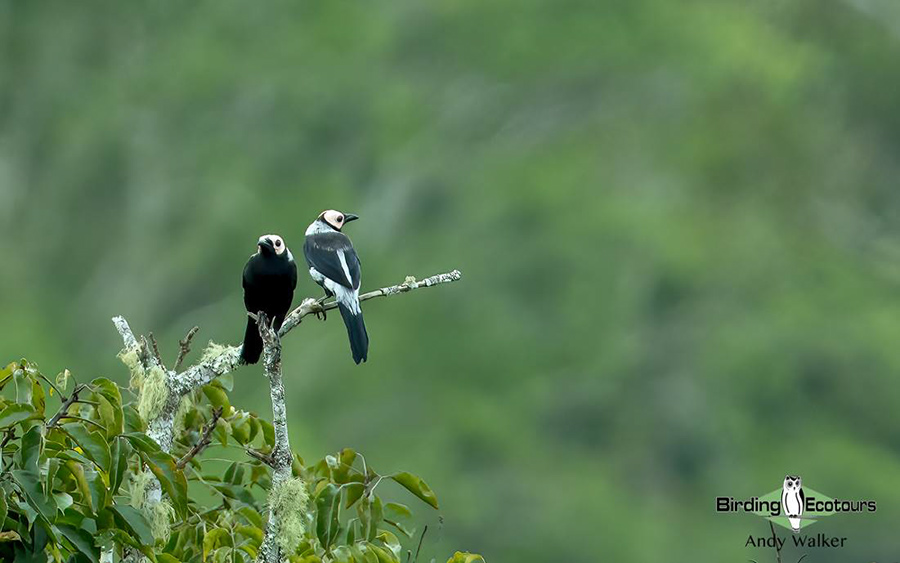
pixel 10 434
pixel 205 438
pixel 311 306
pixel 204 372
pixel 281 457
pixel 55 388
pixel 184 347
pixel 155 346
pixel 67 403
pixel 267 459
pixel 128 338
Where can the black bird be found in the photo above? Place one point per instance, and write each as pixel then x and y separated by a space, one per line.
pixel 334 265
pixel 270 278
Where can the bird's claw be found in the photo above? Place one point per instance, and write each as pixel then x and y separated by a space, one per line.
pixel 321 314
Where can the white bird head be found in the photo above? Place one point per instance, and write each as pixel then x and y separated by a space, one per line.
pixel 335 219
pixel 271 244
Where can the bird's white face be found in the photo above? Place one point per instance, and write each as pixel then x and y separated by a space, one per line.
pixel 275 241
pixel 333 218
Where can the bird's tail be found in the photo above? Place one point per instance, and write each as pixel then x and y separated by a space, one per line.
pixel 253 344
pixel 356 331
pixel 795 524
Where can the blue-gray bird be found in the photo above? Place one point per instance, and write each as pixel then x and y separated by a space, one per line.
pixel 334 265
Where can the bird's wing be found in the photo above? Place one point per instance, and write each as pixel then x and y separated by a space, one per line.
pixel 333 256
pixel 251 301
pixel 293 274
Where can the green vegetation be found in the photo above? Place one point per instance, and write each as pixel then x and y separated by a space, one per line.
pixel 677 221
pixel 74 484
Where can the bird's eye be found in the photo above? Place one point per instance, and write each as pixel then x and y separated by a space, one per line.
pixel 277 243
pixel 339 219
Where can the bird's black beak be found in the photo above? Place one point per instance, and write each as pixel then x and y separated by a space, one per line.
pixel 350 217
pixel 267 244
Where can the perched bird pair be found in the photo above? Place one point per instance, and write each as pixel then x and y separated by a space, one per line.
pixel 270 278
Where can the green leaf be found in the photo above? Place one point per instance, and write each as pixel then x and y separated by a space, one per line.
pixel 4 510
pixel 123 536
pixel 81 483
pixel 141 442
pixel 133 421
pixel 376 515
pixel 399 515
pixel 110 392
pixel 327 508
pixel 63 501
pixel 251 515
pixel 390 541
pixel 215 538
pixel 240 430
pixel 342 554
pixel 7 373
pixel 106 519
pixel 223 429
pixel 62 379
pixel 216 396
pixel 383 555
pixel 268 433
pixel 135 521
pixel 93 443
pixel 353 493
pixel 15 413
pixel 353 530
pixel 52 466
pixel 121 450
pixel 460 557
pixel 341 473
pixel 98 488
pixel 397 512
pixel 255 427
pixel 30 514
pixel 30 484
pixel 251 532
pixel 82 540
pixel 416 486
pixel 23 385
pixel 228 477
pixel 37 397
pixel 235 492
pixel 226 381
pixel 31 448
pixel 170 478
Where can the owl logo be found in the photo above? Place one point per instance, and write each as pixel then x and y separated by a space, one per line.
pixel 792 501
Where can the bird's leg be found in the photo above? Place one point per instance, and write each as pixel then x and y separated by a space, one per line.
pixel 322 312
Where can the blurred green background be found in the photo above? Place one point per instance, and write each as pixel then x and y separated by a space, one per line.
pixel 677 224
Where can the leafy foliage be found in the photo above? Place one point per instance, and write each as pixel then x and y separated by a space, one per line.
pixel 86 477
